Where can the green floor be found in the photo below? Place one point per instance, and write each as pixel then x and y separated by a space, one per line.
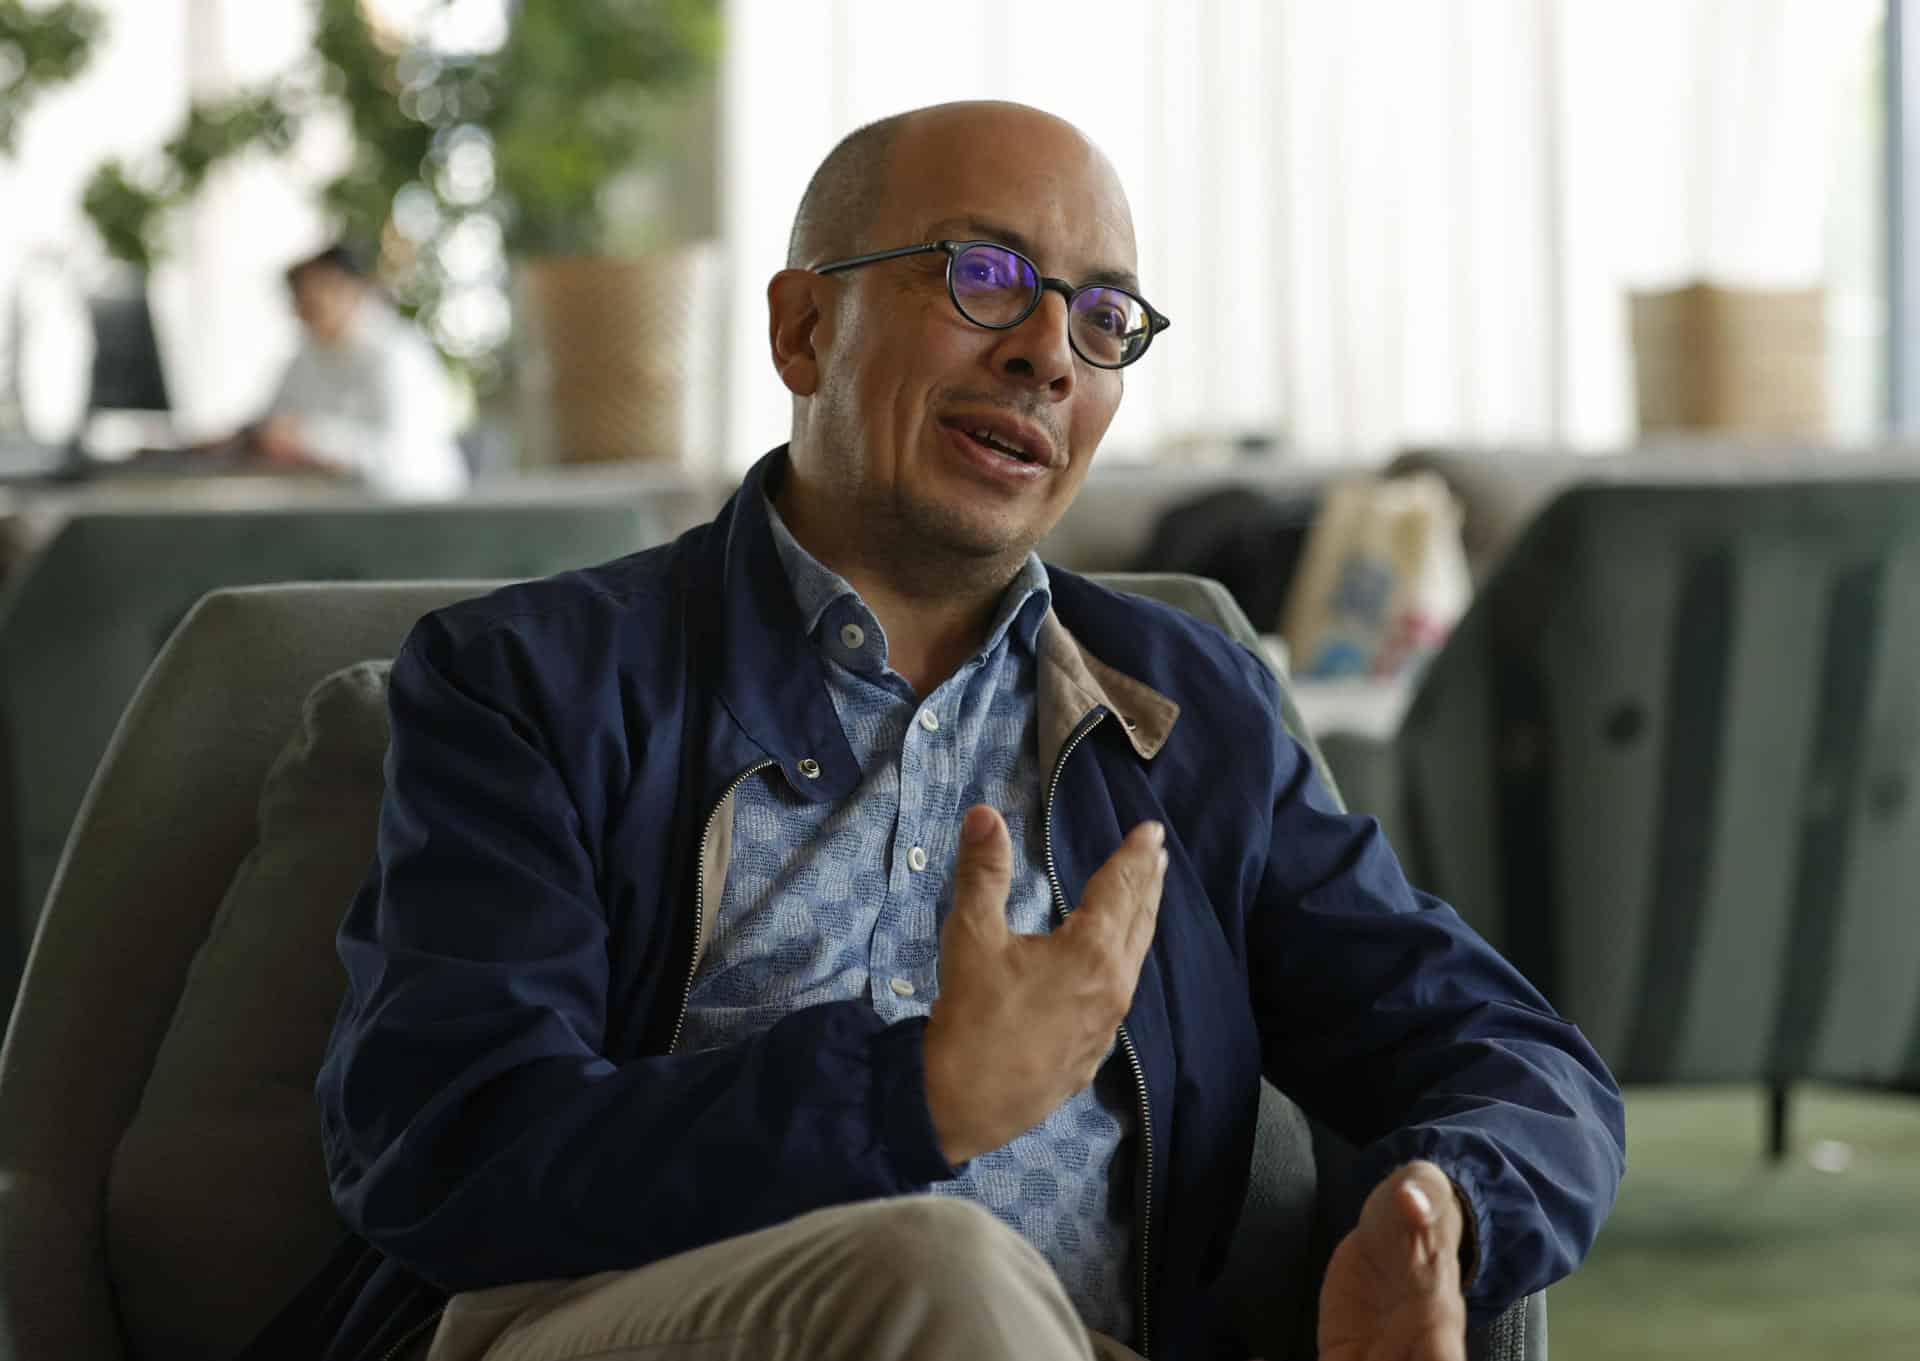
pixel 1714 1253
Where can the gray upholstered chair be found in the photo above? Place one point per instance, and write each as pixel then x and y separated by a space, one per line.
pixel 1670 764
pixel 86 616
pixel 161 1185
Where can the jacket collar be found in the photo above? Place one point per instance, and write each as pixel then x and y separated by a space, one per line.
pixel 773 681
pixel 1073 682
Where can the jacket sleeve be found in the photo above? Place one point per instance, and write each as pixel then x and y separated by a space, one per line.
pixel 474 1127
pixel 1387 1017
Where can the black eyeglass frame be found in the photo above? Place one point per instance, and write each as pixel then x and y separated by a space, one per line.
pixel 1156 323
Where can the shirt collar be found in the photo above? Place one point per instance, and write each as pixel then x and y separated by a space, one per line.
pixel 817 589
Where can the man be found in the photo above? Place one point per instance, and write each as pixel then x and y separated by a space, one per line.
pixel 365 395
pixel 733 896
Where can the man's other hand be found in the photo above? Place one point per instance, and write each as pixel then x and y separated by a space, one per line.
pixel 1392 1291
pixel 1023 1022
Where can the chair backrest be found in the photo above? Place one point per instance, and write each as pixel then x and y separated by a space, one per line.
pixel 164 829
pixel 86 617
pixel 1670 763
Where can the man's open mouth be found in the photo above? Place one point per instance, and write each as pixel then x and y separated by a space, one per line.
pixel 993 442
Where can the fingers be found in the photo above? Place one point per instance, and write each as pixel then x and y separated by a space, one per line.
pixel 1417 1207
pixel 1123 898
pixel 1424 1199
pixel 983 872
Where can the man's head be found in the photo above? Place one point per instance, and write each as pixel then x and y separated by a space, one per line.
pixel 890 381
pixel 327 290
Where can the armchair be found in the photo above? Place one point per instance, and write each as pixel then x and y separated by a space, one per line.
pixel 161 1184
pixel 1668 763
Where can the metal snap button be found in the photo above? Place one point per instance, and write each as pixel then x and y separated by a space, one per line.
pixel 809 767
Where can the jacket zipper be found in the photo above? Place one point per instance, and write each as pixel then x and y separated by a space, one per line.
pixel 413 1334
pixel 700 895
pixel 1145 1217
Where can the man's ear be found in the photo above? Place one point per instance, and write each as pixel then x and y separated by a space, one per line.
pixel 793 314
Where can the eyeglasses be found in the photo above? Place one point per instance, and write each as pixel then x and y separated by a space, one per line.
pixel 997 287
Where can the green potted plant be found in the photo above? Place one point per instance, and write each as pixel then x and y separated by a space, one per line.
pixel 130 204
pixel 40 48
pixel 552 145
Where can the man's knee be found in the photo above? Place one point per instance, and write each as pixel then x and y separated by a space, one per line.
pixel 951 1245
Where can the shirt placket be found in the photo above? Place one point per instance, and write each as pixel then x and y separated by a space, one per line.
pixel 905 981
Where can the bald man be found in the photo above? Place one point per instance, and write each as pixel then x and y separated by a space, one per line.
pixel 838 935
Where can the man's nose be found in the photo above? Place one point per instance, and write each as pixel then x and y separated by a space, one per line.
pixel 1037 353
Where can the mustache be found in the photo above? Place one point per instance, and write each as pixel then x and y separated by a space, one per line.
pixel 1035 412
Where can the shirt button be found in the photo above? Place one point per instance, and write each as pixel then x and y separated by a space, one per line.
pixel 917 858
pixel 853 635
pixel 901 988
pixel 930 720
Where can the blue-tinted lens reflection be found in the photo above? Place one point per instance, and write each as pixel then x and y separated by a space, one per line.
pixel 1109 326
pixel 994 284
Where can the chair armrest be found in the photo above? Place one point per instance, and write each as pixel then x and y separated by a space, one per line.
pixel 1520 1334
pixel 53 1272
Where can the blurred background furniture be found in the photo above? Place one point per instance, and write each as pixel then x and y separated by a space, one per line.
pixel 161 1183
pixel 86 615
pixel 1668 764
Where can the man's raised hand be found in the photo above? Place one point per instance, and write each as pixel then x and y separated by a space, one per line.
pixel 1023 1022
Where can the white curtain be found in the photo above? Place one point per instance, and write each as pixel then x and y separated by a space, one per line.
pixel 47 252
pixel 223 300
pixel 1375 222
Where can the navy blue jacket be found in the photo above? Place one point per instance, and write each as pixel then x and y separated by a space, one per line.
pixel 499 1100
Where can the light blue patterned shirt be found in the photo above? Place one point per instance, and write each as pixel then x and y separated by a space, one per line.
pixel 828 903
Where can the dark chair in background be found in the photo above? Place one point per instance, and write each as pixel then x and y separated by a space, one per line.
pixel 1670 764
pixel 127 374
pixel 85 617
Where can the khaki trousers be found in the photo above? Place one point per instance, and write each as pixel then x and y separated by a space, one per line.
pixel 916 1278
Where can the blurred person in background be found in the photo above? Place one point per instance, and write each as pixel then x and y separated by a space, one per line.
pixel 364 396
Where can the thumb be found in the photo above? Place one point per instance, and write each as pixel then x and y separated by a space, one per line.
pixel 983 871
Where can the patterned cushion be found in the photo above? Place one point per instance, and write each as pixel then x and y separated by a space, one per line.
pixel 222 1161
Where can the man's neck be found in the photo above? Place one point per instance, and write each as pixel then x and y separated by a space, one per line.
pixel 936 615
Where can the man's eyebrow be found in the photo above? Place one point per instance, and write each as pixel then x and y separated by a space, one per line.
pixel 975 228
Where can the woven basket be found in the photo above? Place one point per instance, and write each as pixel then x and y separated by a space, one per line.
pixel 608 356
pixel 1742 361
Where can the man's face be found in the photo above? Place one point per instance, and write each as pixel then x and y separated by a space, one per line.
pixel 906 382
pixel 324 298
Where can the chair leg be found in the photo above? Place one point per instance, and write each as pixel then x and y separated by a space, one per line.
pixel 1777 1121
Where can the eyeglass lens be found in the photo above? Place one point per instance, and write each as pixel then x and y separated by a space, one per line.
pixel 995 286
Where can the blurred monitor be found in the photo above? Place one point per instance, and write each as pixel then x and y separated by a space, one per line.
pixel 126 357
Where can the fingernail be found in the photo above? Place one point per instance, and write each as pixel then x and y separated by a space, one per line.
pixel 1156 834
pixel 977 825
pixel 1163 862
pixel 1421 1200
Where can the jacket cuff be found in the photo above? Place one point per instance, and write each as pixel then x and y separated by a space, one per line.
pixel 1470 1235
pixel 900 1096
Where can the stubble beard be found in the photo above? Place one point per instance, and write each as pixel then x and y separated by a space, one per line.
pixel 928 550
pixel 937 551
